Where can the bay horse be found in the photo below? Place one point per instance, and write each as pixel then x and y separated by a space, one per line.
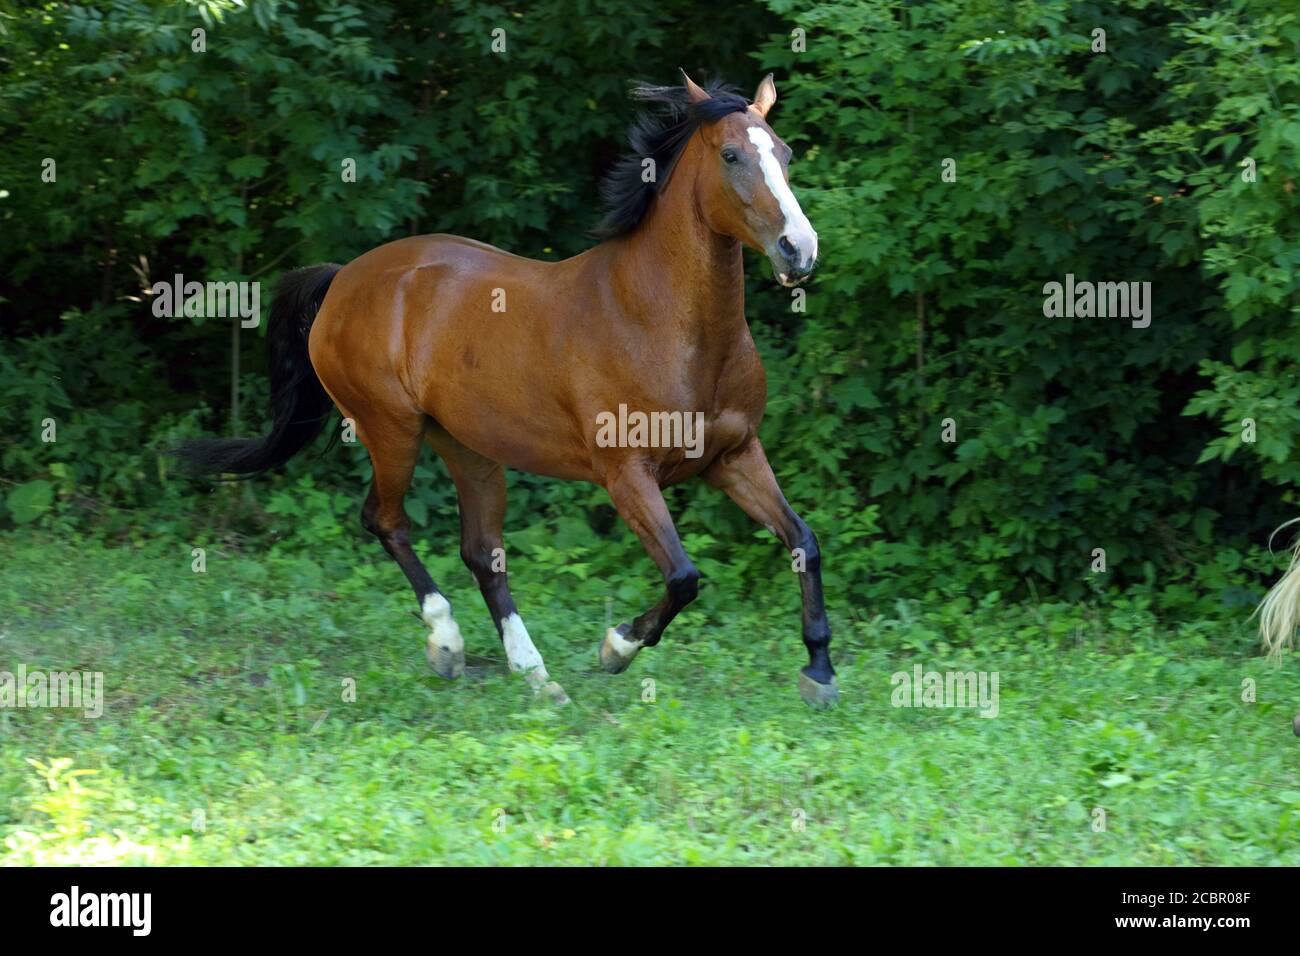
pixel 499 361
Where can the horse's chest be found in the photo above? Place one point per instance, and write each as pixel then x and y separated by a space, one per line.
pixel 741 389
pixel 725 417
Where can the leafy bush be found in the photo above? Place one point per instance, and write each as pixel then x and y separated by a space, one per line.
pixel 925 320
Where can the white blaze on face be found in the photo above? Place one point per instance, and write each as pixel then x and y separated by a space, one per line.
pixel 521 653
pixel 797 227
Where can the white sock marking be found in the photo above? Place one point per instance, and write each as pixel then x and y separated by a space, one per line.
pixel 520 652
pixel 620 645
pixel 446 632
pixel 797 227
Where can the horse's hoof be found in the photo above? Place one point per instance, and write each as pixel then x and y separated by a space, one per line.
pixel 616 651
pixel 446 662
pixel 818 696
pixel 554 693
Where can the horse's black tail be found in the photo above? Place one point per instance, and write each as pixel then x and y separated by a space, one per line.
pixel 299 404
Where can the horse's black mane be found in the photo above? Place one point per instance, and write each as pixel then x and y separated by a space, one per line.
pixel 658 135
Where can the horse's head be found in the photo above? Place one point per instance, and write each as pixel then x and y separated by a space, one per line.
pixel 743 190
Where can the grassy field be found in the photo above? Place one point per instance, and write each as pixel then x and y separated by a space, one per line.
pixel 226 736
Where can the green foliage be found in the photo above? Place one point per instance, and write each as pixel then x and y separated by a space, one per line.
pixel 1071 434
pixel 1112 166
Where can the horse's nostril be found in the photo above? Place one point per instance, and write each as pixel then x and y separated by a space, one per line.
pixel 787 248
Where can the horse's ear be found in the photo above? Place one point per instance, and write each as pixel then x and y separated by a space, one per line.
pixel 693 89
pixel 765 97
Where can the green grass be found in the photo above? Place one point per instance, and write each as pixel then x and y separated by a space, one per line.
pixel 226 738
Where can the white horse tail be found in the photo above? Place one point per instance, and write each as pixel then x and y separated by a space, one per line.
pixel 1279 612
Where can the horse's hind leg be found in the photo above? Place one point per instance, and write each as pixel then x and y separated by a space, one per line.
pixel 394 444
pixel 640 504
pixel 481 489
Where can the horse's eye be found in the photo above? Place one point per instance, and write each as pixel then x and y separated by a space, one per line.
pixel 730 156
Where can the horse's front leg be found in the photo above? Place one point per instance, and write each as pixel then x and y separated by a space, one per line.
pixel 746 477
pixel 635 493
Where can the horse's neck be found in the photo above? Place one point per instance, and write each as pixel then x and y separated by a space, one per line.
pixel 681 272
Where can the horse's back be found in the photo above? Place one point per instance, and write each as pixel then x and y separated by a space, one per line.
pixel 399 283
pixel 466 333
pixel 438 250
